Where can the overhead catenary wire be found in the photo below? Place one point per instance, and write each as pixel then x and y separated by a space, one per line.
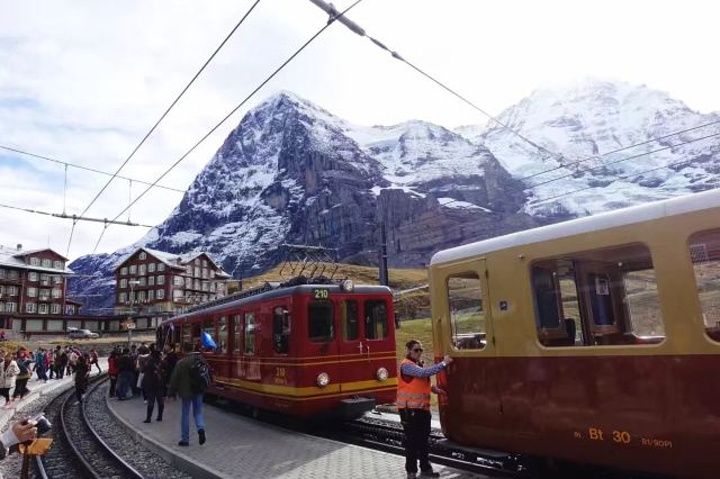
pixel 67 164
pixel 355 28
pixel 232 112
pixel 75 218
pixel 167 111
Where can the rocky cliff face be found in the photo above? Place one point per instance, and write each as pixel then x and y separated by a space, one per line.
pixel 292 172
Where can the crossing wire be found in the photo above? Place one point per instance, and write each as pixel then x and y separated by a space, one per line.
pixel 80 167
pixel 162 117
pixel 63 215
pixel 230 114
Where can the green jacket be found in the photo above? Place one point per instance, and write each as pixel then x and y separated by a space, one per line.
pixel 180 379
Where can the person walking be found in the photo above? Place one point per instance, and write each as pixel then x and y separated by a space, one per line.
pixel 95 360
pixel 182 383
pixel 413 403
pixel 82 375
pixel 40 365
pixel 23 376
pixel 8 376
pixel 112 372
pixel 154 385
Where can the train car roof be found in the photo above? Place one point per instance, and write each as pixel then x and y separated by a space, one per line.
pixel 281 292
pixel 611 219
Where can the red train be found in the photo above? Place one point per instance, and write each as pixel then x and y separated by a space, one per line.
pixel 301 350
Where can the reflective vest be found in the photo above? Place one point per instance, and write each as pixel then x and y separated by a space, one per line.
pixel 413 394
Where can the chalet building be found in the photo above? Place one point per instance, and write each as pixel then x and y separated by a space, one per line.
pixel 33 290
pixel 151 282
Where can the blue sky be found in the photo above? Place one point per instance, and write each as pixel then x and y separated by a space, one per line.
pixel 84 80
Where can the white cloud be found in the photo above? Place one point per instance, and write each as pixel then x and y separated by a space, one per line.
pixel 84 80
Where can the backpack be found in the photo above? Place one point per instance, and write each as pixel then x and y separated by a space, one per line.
pixel 200 376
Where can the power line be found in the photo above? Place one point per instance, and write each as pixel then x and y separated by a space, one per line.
pixel 172 105
pixel 632 157
pixel 80 167
pixel 73 217
pixel 596 157
pixel 355 28
pixel 620 177
pixel 232 112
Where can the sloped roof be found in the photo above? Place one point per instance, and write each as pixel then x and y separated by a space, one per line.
pixel 9 257
pixel 171 259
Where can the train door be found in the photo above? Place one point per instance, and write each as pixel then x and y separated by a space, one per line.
pixel 463 328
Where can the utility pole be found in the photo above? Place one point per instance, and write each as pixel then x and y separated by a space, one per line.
pixel 383 274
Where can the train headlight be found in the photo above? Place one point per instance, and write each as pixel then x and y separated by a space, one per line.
pixel 382 374
pixel 347 285
pixel 323 380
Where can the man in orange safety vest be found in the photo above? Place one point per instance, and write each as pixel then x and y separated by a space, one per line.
pixel 413 403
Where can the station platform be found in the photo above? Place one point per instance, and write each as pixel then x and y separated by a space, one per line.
pixel 240 447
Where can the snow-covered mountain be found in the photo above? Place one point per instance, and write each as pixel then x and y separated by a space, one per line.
pixel 291 172
pixel 579 130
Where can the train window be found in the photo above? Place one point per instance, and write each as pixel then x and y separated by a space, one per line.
pixel 222 335
pixel 194 335
pixel 209 327
pixel 376 319
pixel 281 330
pixel 350 320
pixel 605 297
pixel 320 321
pixel 467 316
pixel 705 255
pixel 249 333
pixel 176 333
pixel 237 328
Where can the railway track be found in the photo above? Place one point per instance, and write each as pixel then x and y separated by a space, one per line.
pixel 387 435
pixel 78 450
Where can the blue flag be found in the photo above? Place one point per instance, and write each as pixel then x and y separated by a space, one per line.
pixel 207 340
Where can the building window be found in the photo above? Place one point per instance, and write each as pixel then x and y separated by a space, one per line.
pixel 142 269
pixel 177 295
pixel 205 273
pixel 34 261
pixel 212 274
pixel 30 307
pixel 14 275
pixel 32 292
pixel 3 273
pixel 44 294
pixel 160 279
pixel 57 279
pixel 54 308
pixel 57 265
pixel 57 293
pixel 10 307
pixel 151 268
pixel 178 280
pixel 143 255
pixel 69 309
pixel 141 296
pixel 197 261
pixel 123 283
pixel 188 283
pixel 43 308
pixel 197 285
pixel 142 281
pixel 205 286
pixel 123 271
pixel 151 280
pixel 133 269
pixel 13 290
pixel 47 263
pixel 122 297
pixel 32 276
pixel 161 267
pixel 151 294
pixel 160 294
pixel 598 298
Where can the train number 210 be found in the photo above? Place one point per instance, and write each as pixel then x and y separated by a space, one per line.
pixel 321 293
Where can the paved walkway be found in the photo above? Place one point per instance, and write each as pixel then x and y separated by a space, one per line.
pixel 239 447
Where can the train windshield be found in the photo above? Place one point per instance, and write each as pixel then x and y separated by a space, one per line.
pixel 320 321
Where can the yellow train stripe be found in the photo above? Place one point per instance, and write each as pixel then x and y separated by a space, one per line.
pixel 310 392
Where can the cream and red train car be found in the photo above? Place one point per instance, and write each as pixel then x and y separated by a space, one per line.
pixel 301 350
pixel 595 341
